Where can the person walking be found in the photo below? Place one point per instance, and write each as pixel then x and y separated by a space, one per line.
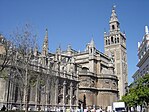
pixel 3 108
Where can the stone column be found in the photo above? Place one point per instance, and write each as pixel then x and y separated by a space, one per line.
pixel 32 95
pixel 71 94
pixel 64 95
pixel 47 96
pixel 19 97
pixel 12 93
pixel 56 92
pixel 43 97
pixel 77 96
pixel 57 68
pixel 37 94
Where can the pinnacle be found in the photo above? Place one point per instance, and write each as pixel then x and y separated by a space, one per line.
pixel 113 17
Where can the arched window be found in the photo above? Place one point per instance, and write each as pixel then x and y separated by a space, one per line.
pixel 85 69
pixel 112 40
pixel 106 42
pixel 117 40
pixel 91 50
pixel 113 27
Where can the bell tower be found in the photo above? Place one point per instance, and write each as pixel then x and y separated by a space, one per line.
pixel 115 46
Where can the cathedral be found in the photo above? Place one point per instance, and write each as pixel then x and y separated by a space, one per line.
pixel 73 79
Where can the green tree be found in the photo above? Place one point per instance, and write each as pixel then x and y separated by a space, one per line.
pixel 131 98
pixel 138 93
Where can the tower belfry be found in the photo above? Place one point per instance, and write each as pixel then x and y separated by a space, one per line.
pixel 115 44
pixel 45 44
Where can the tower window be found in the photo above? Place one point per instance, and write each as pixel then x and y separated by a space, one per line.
pixel 109 42
pixel 117 26
pixel 91 50
pixel 106 42
pixel 117 40
pixel 145 49
pixel 113 27
pixel 112 41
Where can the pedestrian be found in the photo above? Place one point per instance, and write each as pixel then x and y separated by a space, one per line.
pixel 14 108
pixel 3 108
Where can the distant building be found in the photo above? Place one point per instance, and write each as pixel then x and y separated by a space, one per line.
pixel 143 55
pixel 86 79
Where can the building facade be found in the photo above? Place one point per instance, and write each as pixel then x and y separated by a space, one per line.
pixel 115 47
pixel 55 84
pixel 143 55
pixel 98 85
pixel 71 78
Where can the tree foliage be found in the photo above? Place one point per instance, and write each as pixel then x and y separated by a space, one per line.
pixel 138 93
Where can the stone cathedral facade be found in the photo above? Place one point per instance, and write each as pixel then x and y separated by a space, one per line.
pixel 80 79
pixel 56 82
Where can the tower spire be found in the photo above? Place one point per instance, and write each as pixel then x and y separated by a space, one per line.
pixel 46 33
pixel 45 44
pixel 92 44
pixel 113 17
pixel 114 23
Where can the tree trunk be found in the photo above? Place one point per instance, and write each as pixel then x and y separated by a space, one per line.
pixel 26 90
pixel 26 103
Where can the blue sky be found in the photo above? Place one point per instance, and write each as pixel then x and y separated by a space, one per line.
pixel 75 21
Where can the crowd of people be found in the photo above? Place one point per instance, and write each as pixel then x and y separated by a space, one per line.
pixel 67 110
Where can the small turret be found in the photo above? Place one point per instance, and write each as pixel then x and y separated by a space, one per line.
pixel 92 44
pixel 69 47
pixel 58 50
pixel 146 30
pixel 45 44
pixel 36 51
pixel 58 54
pixel 69 50
pixel 92 47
